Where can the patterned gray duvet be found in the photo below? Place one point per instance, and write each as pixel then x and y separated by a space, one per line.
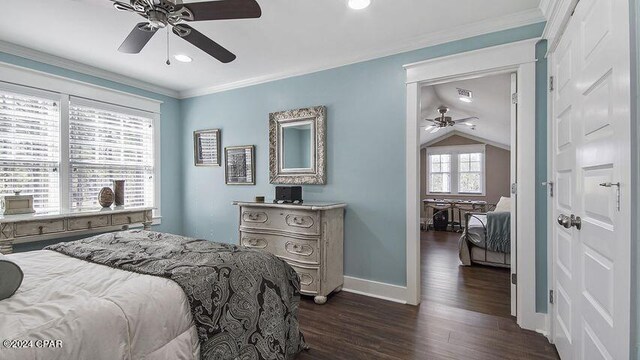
pixel 244 302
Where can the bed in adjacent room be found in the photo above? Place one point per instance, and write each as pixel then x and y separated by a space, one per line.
pixel 142 294
pixel 486 239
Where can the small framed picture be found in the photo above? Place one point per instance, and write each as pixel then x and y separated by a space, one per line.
pixel 206 147
pixel 240 167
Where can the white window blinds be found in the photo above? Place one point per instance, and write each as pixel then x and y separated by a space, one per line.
pixel 107 143
pixel 30 146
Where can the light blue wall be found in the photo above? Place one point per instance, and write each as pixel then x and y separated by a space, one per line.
pixel 365 142
pixel 541 177
pixel 171 143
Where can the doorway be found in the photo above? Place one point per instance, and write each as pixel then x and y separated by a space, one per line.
pixel 516 57
pixel 466 157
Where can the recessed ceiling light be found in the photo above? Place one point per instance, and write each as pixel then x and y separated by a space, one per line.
pixel 359 4
pixel 183 58
pixel 465 99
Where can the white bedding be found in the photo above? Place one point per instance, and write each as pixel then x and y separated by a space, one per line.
pixel 95 311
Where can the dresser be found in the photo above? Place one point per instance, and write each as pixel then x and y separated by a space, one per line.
pixel 309 237
pixel 25 228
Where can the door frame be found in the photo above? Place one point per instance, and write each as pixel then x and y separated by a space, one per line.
pixel 516 57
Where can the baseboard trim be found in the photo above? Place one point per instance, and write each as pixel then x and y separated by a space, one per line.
pixel 375 289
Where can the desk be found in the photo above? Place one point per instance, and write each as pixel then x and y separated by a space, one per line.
pixel 452 205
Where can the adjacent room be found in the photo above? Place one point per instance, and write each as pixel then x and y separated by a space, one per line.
pixel 319 180
pixel 465 183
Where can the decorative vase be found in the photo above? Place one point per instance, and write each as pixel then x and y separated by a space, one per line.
pixel 118 189
pixel 105 197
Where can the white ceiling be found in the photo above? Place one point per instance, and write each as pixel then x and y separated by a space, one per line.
pixel 491 104
pixel 292 37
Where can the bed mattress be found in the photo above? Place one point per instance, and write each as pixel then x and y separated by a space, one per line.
pixel 68 308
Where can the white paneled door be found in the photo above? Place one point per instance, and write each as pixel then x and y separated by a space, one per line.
pixel 591 161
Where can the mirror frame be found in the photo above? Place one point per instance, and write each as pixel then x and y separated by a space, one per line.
pixel 316 175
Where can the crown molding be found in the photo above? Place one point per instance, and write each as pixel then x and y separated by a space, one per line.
pixel 466 136
pixel 61 62
pixel 557 14
pixel 487 26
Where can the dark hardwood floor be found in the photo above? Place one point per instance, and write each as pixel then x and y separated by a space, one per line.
pixel 484 289
pixel 464 315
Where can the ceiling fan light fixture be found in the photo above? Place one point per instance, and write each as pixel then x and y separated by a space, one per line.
pixel 359 4
pixel 428 128
pixel 183 58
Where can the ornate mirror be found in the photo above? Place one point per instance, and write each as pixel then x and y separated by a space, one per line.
pixel 297 146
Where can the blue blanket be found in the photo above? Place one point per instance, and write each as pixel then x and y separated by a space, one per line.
pixel 499 231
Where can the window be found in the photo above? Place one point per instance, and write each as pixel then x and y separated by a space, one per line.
pixel 30 147
pixel 107 143
pixel 440 173
pixel 456 170
pixel 63 149
pixel 470 173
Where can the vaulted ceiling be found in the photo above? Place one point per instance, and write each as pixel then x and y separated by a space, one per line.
pixel 292 36
pixel 491 104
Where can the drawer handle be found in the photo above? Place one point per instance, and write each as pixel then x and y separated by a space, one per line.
pixel 298 221
pixel 298 249
pixel 254 242
pixel 40 229
pixel 306 279
pixel 253 216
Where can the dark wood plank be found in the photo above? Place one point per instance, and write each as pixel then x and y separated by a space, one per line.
pixel 460 318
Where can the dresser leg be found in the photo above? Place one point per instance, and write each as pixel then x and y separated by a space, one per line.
pixel 338 289
pixel 320 300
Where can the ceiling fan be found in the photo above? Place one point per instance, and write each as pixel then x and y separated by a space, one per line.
pixel 444 121
pixel 162 13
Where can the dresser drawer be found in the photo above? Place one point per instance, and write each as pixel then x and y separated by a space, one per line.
pixel 125 219
pixel 39 227
pixel 91 222
pixel 309 279
pixel 293 221
pixel 288 248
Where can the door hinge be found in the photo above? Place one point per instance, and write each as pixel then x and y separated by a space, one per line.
pixel 550 296
pixel 549 184
pixel 514 279
pixel 514 98
pixel 514 188
pixel 550 83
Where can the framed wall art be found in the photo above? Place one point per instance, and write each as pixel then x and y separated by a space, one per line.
pixel 240 166
pixel 206 147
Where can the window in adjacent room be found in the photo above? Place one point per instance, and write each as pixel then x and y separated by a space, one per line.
pixel 470 173
pixel 440 173
pixel 456 170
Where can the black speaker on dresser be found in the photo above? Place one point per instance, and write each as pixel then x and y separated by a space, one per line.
pixel 288 195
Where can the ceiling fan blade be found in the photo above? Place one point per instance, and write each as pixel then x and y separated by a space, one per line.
pixel 435 130
pixel 429 127
pixel 137 39
pixel 467 119
pixel 203 43
pixel 123 6
pixel 224 9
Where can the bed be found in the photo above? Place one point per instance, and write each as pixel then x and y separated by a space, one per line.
pixel 148 295
pixel 480 243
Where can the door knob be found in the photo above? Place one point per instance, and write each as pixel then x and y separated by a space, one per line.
pixel 570 221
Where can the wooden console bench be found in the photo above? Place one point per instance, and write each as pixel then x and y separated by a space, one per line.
pixel 17 229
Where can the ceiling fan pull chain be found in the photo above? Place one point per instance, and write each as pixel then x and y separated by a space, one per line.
pixel 168 61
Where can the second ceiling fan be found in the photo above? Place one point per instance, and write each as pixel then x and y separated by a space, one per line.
pixel 444 121
pixel 162 13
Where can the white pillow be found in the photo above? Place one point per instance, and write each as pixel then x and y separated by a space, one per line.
pixel 504 205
